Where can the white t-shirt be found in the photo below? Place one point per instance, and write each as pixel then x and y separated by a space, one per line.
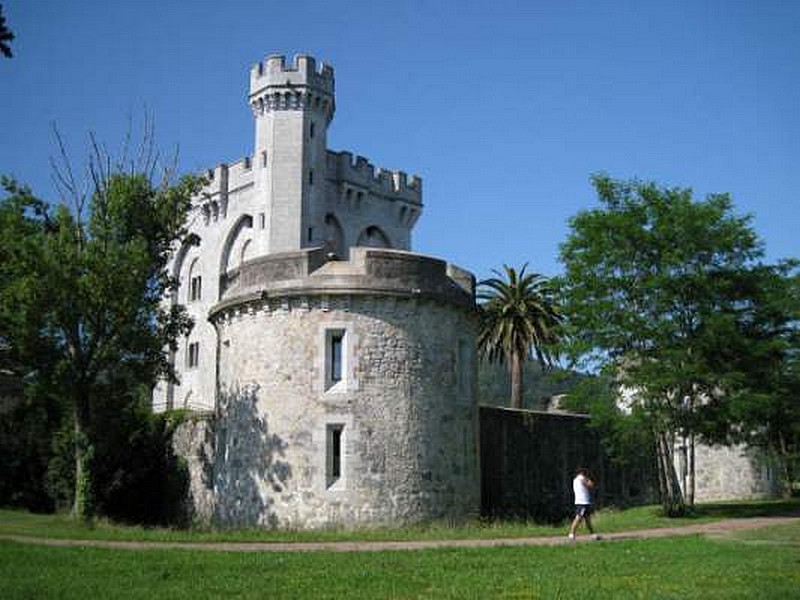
pixel 581 489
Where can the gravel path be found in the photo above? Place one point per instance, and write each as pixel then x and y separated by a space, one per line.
pixel 718 527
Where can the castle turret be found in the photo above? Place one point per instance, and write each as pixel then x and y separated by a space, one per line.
pixel 293 106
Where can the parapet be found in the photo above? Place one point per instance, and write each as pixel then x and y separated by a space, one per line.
pixel 304 72
pixel 225 178
pixel 370 271
pixel 361 173
pixel 222 180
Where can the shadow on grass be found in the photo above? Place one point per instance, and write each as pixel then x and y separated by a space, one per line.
pixel 745 509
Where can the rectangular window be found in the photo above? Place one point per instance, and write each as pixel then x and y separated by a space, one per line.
pixel 262 220
pixel 310 234
pixel 196 288
pixel 335 359
pixel 334 453
pixel 194 354
pixel 311 130
pixel 263 158
pixel 310 177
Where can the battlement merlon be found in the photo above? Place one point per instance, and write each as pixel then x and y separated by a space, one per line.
pixel 272 72
pixel 226 177
pixel 359 172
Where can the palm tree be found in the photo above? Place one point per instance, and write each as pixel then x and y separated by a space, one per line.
pixel 519 320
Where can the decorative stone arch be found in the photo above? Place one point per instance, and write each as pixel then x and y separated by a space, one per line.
pixel 374 237
pixel 334 236
pixel 191 241
pixel 242 223
pixel 187 400
pixel 247 250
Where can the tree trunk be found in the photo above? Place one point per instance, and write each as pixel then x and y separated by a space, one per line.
pixel 83 505
pixel 515 371
pixel 671 495
pixel 690 488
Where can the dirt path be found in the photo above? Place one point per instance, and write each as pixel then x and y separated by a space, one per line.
pixel 718 527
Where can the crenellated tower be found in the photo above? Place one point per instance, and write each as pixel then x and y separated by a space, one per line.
pixel 292 106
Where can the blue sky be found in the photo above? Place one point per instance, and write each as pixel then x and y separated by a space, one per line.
pixel 504 108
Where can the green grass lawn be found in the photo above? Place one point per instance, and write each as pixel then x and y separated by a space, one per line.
pixel 756 564
pixel 645 517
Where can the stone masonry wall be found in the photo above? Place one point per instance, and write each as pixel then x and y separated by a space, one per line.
pixel 405 405
pixel 194 441
pixel 734 473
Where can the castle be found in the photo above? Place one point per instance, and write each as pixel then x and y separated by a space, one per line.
pixel 339 366
pixel 331 371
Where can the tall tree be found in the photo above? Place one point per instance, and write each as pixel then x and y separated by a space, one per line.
pixel 520 320
pixel 6 37
pixel 656 284
pixel 81 288
pixel 766 405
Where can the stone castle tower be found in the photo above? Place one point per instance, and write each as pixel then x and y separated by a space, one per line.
pixel 340 367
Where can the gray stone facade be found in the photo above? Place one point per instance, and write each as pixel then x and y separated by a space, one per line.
pixel 731 473
pixel 340 368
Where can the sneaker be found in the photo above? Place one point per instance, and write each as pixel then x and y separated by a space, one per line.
pixel 596 536
pixel 571 537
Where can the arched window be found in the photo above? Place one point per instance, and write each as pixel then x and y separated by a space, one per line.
pixel 373 237
pixel 195 279
pixel 234 242
pixel 179 270
pixel 334 236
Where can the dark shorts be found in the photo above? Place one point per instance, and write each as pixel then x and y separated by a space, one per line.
pixel 583 510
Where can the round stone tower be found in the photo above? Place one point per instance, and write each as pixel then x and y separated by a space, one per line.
pixel 347 391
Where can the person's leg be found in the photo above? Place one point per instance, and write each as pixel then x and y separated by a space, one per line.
pixel 588 520
pixel 580 513
pixel 575 522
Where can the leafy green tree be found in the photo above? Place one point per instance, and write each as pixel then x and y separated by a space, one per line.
pixel 6 37
pixel 81 288
pixel 656 285
pixel 766 402
pixel 519 320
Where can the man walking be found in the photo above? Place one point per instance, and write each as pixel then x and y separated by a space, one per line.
pixel 582 487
